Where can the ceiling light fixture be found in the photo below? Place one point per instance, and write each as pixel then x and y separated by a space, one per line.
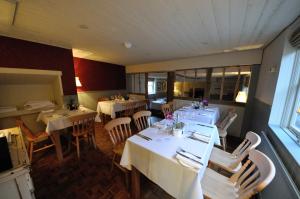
pixel 127 44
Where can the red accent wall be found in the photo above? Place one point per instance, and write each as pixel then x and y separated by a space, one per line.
pixel 95 75
pixel 16 53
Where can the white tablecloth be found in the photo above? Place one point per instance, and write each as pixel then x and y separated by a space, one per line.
pixel 59 119
pixel 112 106
pixel 208 115
pixel 156 159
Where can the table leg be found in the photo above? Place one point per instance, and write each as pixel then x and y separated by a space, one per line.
pixel 135 183
pixel 56 138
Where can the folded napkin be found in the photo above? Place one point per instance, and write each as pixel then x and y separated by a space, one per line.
pixel 204 138
pixel 187 162
pixel 47 111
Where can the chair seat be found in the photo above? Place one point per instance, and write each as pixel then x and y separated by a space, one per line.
pixel 222 132
pixel 118 149
pixel 224 160
pixel 217 186
pixel 38 137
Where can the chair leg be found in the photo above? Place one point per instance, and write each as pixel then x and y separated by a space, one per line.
pixel 112 163
pixel 224 143
pixel 30 151
pixel 78 147
pixel 93 140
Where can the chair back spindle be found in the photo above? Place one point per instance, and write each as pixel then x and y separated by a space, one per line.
pixel 118 129
pixel 254 175
pixel 142 120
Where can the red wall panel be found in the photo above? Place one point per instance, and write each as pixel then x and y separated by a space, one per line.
pixel 95 75
pixel 16 53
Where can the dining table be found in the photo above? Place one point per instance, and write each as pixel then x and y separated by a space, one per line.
pixel 111 107
pixel 175 163
pixel 209 114
pixel 58 120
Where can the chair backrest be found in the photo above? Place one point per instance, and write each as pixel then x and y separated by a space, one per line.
pixel 254 175
pixel 167 108
pixel 228 120
pixel 129 108
pixel 118 129
pixel 83 124
pixel 251 141
pixel 29 135
pixel 142 119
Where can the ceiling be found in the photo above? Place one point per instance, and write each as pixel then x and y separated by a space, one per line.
pixel 157 29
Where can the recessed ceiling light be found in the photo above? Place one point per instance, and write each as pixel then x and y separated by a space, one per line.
pixel 83 26
pixel 127 44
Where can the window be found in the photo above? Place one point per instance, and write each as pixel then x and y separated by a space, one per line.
pixel 151 87
pixel 135 82
pixel 222 83
pixel 294 100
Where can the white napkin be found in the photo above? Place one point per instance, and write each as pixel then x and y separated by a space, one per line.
pixel 201 137
pixel 187 162
pixel 47 111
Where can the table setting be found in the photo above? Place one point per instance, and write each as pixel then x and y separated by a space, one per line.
pixel 175 160
pixel 197 112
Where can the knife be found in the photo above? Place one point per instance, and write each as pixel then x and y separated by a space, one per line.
pixel 144 137
pixel 189 158
pixel 205 125
pixel 193 138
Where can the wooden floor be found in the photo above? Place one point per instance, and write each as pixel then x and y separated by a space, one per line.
pixel 88 178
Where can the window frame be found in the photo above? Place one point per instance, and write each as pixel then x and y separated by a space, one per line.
pixel 207 92
pixel 291 105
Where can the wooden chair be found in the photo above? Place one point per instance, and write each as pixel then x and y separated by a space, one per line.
pixel 231 162
pixel 142 120
pixel 34 139
pixel 119 130
pixel 83 127
pixel 257 172
pixel 129 108
pixel 225 124
pixel 167 108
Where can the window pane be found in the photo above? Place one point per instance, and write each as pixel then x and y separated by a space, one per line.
pixel 215 86
pixel 188 87
pixel 230 83
pixel 151 87
pixel 142 82
pixel 129 83
pixel 200 83
pixel 178 83
pixel 136 83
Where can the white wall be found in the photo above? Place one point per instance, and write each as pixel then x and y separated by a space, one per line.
pixel 234 129
pixel 267 80
pixel 223 59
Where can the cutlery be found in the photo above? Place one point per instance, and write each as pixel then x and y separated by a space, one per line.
pixel 193 138
pixel 190 153
pixel 189 157
pixel 202 134
pixel 144 137
pixel 205 125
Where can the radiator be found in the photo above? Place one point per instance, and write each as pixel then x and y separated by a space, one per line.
pixel 282 185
